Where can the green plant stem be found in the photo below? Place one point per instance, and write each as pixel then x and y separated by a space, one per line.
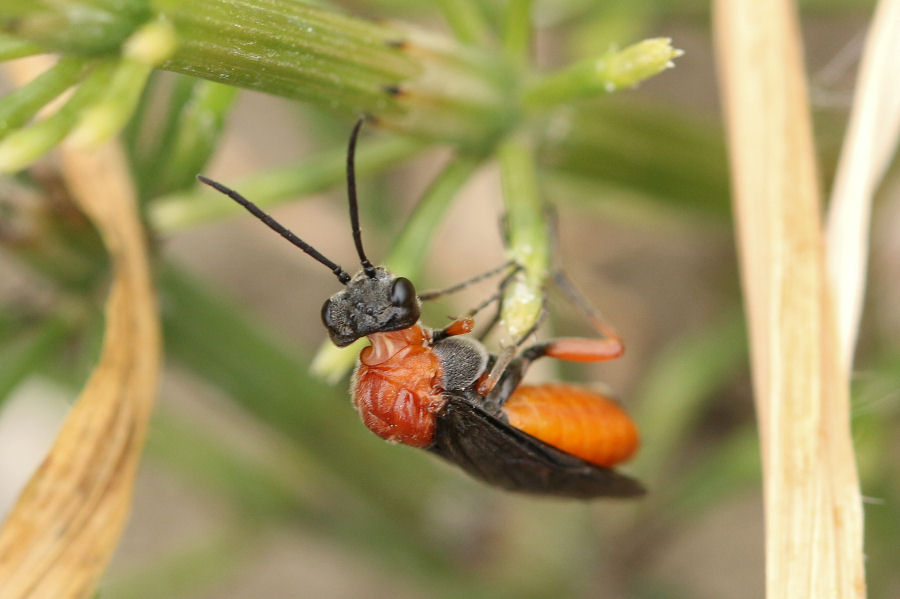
pixel 11 47
pixel 517 32
pixel 466 20
pixel 152 43
pixel 23 146
pixel 406 257
pixel 195 132
pixel 106 116
pixel 20 105
pixel 409 80
pixel 168 152
pixel 290 49
pixel 410 249
pixel 529 239
pixel 613 71
pixel 326 169
pixel 87 27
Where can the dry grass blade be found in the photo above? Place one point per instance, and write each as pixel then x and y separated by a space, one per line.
pixel 64 527
pixel 868 147
pixel 812 500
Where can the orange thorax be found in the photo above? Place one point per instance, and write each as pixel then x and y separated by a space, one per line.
pixel 397 386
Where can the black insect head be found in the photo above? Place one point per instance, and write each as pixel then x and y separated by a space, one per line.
pixel 374 300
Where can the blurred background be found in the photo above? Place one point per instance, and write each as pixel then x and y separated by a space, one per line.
pixel 260 481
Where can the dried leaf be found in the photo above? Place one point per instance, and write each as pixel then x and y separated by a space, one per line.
pixel 812 500
pixel 64 527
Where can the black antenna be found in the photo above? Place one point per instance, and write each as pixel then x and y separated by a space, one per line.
pixel 354 209
pixel 342 276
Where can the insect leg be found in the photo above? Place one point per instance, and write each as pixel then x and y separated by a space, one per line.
pixel 500 383
pixel 577 298
pixel 505 358
pixel 431 295
pixel 579 349
pixel 461 326
pixel 509 378
pixel 495 297
pixel 495 319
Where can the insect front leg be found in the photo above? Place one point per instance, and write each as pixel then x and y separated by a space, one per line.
pixel 460 326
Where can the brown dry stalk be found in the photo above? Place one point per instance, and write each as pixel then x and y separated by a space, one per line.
pixel 811 490
pixel 62 531
pixel 870 143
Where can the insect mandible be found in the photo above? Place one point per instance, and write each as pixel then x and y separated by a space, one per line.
pixel 442 391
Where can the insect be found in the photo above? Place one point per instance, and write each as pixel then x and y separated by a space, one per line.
pixel 440 390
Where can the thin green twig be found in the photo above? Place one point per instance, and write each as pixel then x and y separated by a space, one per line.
pixel 269 188
pixel 23 146
pixel 20 105
pixel 613 71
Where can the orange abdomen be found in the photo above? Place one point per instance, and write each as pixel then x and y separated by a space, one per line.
pixel 575 420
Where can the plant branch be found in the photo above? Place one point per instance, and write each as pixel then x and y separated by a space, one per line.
pixel 529 239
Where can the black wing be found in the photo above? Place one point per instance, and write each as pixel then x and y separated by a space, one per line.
pixel 507 457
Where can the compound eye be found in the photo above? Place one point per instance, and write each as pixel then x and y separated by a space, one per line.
pixel 403 294
pixel 326 315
